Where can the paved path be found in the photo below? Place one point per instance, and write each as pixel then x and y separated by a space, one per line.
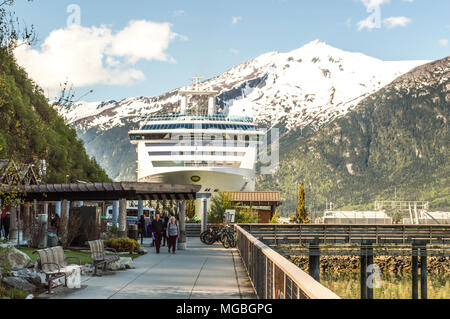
pixel 198 273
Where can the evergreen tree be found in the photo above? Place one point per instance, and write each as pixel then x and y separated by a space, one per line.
pixel 302 214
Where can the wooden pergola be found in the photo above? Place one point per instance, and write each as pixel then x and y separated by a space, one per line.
pixel 121 192
pixel 104 191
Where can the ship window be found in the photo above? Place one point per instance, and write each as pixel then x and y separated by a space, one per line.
pixel 247 141
pixel 160 153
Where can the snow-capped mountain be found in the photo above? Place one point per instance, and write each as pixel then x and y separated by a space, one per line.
pixel 308 86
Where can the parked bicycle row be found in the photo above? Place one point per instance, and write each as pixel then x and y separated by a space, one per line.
pixel 223 233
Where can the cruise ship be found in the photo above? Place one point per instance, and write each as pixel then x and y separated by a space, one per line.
pixel 198 146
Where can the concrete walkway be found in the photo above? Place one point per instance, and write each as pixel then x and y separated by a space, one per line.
pixel 200 272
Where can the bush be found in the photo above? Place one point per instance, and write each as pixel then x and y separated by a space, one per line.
pixel 123 245
pixel 246 216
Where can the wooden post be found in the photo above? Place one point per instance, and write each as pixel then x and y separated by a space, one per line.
pixel 314 260
pixel 13 231
pixel 46 212
pixel 369 251
pixel 122 233
pixel 140 208
pixel 204 214
pixel 423 272
pixel 64 220
pixel 115 213
pixel 415 288
pixel 182 238
pixel 26 231
pixel 363 278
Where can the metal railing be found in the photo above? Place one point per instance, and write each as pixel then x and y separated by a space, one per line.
pixel 349 234
pixel 275 277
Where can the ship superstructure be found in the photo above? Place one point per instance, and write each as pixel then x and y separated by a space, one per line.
pixel 200 146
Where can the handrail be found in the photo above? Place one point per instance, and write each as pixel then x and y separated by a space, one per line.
pixel 305 283
pixel 433 234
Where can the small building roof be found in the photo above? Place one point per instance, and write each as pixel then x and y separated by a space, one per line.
pixel 256 198
pixel 104 191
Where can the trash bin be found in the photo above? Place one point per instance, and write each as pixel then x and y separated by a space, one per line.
pixel 133 232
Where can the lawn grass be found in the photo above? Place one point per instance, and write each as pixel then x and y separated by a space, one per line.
pixel 12 293
pixel 84 257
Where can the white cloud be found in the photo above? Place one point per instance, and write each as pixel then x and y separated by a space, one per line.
pixel 368 23
pixel 235 20
pixel 371 4
pixel 234 51
pixel 179 13
pixel 96 55
pixel 443 42
pixel 393 22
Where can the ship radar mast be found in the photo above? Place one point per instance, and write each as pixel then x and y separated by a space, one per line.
pixel 193 90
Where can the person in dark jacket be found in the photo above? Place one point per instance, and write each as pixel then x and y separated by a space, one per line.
pixel 157 229
pixel 5 223
pixel 141 228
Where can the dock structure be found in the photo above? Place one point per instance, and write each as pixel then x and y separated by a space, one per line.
pixel 365 241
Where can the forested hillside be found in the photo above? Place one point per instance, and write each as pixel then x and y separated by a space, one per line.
pixel 396 140
pixel 30 129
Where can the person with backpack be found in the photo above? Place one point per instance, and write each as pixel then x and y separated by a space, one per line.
pixel 172 233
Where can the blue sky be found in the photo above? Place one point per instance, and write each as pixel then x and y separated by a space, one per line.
pixel 206 37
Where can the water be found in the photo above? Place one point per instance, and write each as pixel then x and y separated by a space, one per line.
pixel 393 285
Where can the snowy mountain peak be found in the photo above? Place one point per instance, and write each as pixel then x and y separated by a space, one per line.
pixel 308 86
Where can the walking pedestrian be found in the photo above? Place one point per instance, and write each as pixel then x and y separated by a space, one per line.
pixel 5 223
pixel 141 228
pixel 173 231
pixel 157 229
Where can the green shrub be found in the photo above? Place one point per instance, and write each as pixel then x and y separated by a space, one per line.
pixel 12 293
pixel 123 245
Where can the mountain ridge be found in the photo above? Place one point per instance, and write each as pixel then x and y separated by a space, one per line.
pixel 305 88
pixel 396 140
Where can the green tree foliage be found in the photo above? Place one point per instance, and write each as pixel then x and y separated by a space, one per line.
pixel 222 202
pixel 246 216
pixel 190 210
pixel 275 218
pixel 31 129
pixel 219 204
pixel 302 214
